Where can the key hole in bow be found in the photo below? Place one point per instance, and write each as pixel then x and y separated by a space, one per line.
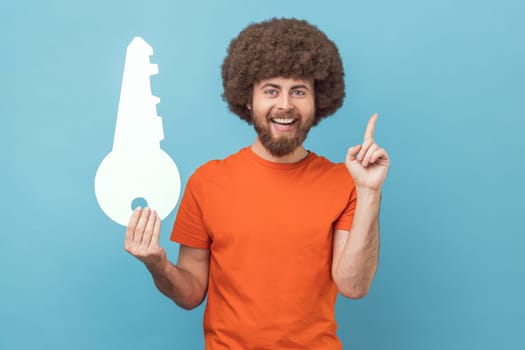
pixel 139 202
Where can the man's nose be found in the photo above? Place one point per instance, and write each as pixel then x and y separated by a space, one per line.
pixel 285 103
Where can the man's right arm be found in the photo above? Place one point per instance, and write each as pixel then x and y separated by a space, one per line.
pixel 185 283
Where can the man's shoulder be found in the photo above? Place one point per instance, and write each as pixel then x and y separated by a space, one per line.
pixel 324 163
pixel 328 170
pixel 216 167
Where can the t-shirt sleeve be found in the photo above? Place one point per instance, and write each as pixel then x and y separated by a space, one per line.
pixel 344 222
pixel 189 228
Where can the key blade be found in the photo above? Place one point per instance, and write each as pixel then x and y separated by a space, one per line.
pixel 137 125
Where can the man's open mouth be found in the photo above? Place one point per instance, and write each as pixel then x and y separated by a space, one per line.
pixel 284 121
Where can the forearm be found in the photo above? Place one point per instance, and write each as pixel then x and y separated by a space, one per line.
pixel 358 262
pixel 178 285
pixel 187 289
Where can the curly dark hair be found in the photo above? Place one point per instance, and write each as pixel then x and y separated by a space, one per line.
pixel 288 48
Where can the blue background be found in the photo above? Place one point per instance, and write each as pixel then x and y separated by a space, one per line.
pixel 447 78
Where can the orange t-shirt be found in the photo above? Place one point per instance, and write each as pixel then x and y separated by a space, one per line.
pixel 269 227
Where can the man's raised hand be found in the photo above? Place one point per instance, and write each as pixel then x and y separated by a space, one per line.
pixel 142 239
pixel 368 163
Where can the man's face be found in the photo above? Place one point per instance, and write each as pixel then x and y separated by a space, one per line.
pixel 283 111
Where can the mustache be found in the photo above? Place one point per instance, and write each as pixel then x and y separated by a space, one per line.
pixel 292 114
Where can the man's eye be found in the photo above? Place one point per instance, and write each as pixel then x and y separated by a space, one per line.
pixel 298 93
pixel 271 92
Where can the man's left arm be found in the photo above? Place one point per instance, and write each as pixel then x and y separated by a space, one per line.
pixel 356 252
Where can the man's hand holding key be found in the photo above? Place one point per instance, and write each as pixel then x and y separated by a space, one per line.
pixel 142 239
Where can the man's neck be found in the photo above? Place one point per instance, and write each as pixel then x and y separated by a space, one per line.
pixel 296 156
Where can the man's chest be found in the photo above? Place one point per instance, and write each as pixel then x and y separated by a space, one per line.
pixel 271 212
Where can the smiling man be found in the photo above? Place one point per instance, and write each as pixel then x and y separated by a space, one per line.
pixel 274 232
pixel 283 111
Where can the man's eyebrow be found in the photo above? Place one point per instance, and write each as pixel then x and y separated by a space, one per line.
pixel 271 85
pixel 300 86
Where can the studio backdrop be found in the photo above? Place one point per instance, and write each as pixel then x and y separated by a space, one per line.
pixel 446 77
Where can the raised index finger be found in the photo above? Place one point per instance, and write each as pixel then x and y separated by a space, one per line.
pixel 369 132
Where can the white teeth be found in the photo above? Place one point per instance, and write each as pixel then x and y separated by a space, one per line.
pixel 283 120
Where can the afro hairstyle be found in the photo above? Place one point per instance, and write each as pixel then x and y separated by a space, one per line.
pixel 289 48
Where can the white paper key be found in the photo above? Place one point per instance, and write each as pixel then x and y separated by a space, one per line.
pixel 137 167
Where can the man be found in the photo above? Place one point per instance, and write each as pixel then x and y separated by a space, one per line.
pixel 272 233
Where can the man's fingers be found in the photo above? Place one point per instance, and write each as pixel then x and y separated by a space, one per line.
pixel 156 232
pixel 366 146
pixel 130 230
pixel 148 230
pixel 369 132
pixel 352 153
pixel 141 225
pixel 379 154
pixel 368 156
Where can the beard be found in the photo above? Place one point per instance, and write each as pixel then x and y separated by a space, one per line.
pixel 280 146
